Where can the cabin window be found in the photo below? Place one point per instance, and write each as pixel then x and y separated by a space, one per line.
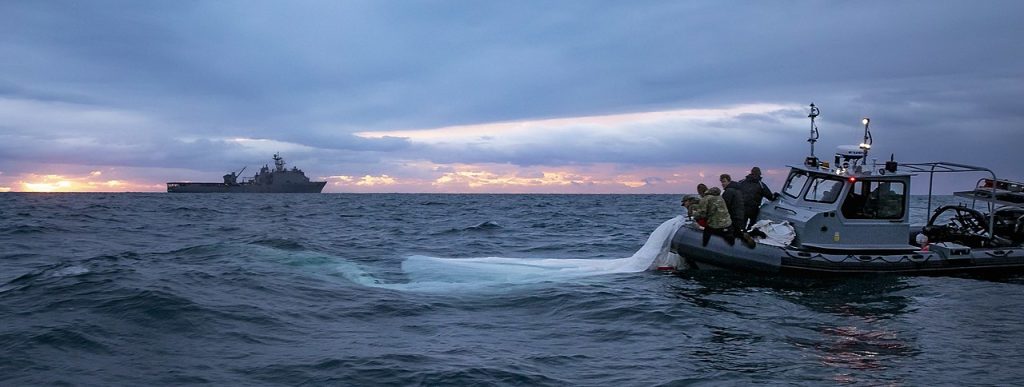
pixel 824 190
pixel 875 200
pixel 794 184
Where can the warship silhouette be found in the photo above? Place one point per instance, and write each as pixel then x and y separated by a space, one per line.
pixel 277 180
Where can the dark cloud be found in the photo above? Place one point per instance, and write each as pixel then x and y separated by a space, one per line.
pixel 428 63
pixel 179 78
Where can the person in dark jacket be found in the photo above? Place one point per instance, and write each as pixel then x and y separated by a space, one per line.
pixel 753 191
pixel 734 200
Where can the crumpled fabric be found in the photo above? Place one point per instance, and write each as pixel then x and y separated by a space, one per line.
pixel 774 233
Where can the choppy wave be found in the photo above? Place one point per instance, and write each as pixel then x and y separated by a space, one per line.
pixel 487 226
pixel 280 243
pixel 25 229
pixel 451 290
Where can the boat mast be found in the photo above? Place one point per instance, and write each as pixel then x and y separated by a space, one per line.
pixel 812 161
pixel 866 144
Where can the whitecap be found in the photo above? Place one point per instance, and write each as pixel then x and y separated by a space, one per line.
pixel 69 271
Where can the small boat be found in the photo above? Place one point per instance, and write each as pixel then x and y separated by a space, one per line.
pixel 849 218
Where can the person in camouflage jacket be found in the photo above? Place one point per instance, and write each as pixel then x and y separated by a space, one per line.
pixel 712 208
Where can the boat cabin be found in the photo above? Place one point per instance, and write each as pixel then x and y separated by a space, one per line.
pixel 839 210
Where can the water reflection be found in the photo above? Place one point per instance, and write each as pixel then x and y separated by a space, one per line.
pixel 846 349
pixel 869 298
pixel 845 330
pixel 861 341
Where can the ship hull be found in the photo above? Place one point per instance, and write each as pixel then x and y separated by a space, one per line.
pixel 312 187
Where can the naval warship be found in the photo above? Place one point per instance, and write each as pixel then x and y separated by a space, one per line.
pixel 277 180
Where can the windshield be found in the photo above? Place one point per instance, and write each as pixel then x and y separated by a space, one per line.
pixel 824 190
pixel 795 183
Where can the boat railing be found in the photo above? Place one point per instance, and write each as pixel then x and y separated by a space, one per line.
pixel 947 167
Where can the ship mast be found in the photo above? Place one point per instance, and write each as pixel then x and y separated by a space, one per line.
pixel 278 162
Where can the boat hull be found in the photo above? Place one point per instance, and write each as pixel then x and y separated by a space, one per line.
pixel 311 187
pixel 762 258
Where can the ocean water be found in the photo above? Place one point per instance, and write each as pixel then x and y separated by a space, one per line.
pixel 162 289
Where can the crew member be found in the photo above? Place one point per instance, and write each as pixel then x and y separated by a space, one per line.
pixel 713 208
pixel 734 201
pixel 754 189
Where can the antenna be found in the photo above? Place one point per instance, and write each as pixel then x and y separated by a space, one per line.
pixel 813 137
pixel 866 144
pixel 814 127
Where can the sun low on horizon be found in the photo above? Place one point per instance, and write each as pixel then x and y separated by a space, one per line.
pixel 459 179
pixel 91 182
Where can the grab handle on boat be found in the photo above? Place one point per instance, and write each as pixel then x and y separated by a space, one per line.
pixel 785 209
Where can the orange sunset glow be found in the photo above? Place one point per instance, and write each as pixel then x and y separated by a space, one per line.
pixel 91 182
pixel 489 178
pixel 428 177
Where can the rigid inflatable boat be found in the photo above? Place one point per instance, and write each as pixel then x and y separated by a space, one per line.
pixel 846 218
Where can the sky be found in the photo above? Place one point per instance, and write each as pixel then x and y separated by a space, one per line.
pixel 498 96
